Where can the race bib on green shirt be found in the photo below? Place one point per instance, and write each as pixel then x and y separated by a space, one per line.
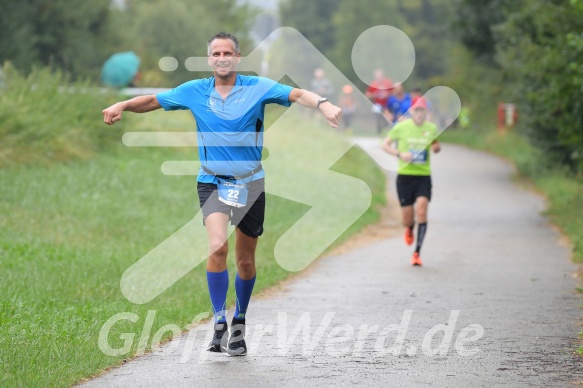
pixel 419 156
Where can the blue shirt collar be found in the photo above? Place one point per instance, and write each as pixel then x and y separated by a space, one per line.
pixel 236 88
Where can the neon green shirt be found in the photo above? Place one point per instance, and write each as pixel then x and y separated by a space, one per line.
pixel 417 140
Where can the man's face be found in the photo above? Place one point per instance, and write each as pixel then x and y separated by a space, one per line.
pixel 418 115
pixel 398 90
pixel 223 58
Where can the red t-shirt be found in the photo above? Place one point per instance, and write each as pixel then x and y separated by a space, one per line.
pixel 380 90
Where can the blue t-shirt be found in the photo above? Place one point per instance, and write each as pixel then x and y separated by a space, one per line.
pixel 230 131
pixel 399 107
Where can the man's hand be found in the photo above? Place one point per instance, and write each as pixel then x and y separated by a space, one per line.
pixel 113 113
pixel 140 104
pixel 406 156
pixel 332 113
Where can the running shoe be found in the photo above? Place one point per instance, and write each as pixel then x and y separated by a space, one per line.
pixel 409 237
pixel 237 345
pixel 218 337
pixel 416 260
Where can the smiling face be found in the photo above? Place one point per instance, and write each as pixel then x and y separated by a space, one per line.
pixel 223 58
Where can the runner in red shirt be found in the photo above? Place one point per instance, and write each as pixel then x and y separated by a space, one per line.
pixel 378 92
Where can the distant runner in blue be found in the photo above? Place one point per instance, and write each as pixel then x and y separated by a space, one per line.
pixel 229 113
pixel 398 104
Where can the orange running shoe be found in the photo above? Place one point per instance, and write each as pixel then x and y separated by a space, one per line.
pixel 416 260
pixel 409 237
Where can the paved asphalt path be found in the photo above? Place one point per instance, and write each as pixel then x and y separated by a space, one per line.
pixel 494 304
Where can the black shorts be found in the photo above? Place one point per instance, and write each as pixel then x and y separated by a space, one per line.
pixel 410 187
pixel 249 219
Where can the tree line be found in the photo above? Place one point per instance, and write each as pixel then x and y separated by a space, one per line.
pixel 529 52
pixel 533 50
pixel 78 37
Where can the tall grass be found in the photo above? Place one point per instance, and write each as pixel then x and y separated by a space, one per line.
pixel 68 231
pixel 44 117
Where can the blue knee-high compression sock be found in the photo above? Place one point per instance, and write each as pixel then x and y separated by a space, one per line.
pixel 218 283
pixel 243 289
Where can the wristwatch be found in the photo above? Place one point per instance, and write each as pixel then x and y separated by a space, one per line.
pixel 321 100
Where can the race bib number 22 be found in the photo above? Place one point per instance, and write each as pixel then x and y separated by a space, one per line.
pixel 232 193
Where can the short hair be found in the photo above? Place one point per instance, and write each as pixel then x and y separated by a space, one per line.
pixel 223 35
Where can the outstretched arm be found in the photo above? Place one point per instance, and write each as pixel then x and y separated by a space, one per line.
pixel 331 112
pixel 139 104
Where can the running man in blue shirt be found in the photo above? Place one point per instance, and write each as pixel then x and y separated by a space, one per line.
pixel 398 104
pixel 229 113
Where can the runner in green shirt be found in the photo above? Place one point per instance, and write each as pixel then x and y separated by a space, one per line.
pixel 412 142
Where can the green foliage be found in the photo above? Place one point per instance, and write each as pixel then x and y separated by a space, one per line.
pixel 479 86
pixel 78 39
pixel 541 47
pixel 39 33
pixel 565 198
pixel 45 118
pixel 428 26
pixel 334 25
pixel 538 49
pixel 312 18
pixel 352 19
pixel 177 28
pixel 475 22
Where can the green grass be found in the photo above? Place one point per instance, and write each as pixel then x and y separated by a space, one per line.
pixel 508 145
pixel 69 230
pixel 565 203
pixel 579 350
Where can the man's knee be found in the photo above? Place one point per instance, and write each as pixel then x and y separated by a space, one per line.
pixel 219 248
pixel 246 264
pixel 421 208
pixel 407 212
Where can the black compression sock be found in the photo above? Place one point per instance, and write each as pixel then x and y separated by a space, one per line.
pixel 421 231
